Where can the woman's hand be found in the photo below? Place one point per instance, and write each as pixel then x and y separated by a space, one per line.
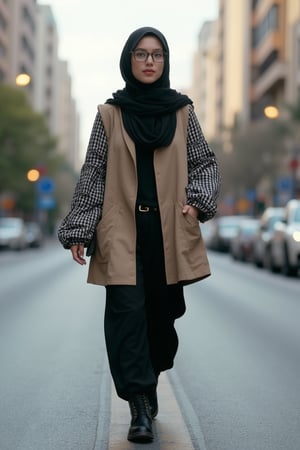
pixel 191 210
pixel 77 251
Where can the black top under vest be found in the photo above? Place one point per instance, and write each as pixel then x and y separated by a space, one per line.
pixel 147 194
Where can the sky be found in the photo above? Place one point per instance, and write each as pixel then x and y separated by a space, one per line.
pixel 92 34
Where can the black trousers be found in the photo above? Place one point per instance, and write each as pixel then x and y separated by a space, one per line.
pixel 139 320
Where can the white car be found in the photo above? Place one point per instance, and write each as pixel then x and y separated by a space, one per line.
pixel 285 245
pixel 263 236
pixel 12 233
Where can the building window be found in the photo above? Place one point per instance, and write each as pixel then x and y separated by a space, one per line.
pixel 255 3
pixel 28 19
pixel 27 47
pixel 48 92
pixel 49 49
pixel 270 23
pixel 298 54
pixel 273 56
pixel 2 50
pixel 3 23
pixel 48 71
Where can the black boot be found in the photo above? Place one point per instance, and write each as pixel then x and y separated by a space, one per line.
pixel 141 422
pixel 153 403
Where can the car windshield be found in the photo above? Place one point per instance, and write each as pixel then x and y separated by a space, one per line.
pixel 250 228
pixel 9 223
pixel 274 220
pixel 297 215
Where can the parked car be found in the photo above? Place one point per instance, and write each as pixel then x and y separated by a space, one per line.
pixel 12 233
pixel 241 245
pixel 34 235
pixel 207 229
pixel 263 236
pixel 224 229
pixel 285 242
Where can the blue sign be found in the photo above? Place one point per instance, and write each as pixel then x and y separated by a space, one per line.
pixel 251 195
pixel 284 184
pixel 45 185
pixel 46 202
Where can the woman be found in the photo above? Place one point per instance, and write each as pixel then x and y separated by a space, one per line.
pixel 147 180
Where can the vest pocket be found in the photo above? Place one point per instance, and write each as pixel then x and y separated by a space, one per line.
pixel 105 232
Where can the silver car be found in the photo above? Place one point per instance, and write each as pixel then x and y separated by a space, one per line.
pixel 285 244
pixel 263 236
pixel 12 233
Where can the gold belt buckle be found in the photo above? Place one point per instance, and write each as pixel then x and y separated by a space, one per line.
pixel 144 208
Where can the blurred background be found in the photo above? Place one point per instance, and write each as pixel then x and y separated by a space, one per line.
pixel 245 87
pixel 236 377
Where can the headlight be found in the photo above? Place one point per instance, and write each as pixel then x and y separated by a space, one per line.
pixel 296 236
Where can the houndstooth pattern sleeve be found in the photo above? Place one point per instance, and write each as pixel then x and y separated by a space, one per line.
pixel 86 206
pixel 203 172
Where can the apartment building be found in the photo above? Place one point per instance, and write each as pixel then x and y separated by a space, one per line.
pixel 268 59
pixel 4 39
pixel 22 39
pixel 46 67
pixel 275 58
pixel 29 44
pixel 203 90
pixel 293 50
pixel 233 63
pixel 67 117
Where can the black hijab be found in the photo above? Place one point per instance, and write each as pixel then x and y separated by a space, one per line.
pixel 148 110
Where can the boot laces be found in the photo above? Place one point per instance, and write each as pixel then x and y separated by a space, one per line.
pixel 139 404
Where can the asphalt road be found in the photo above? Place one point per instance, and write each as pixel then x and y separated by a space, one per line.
pixel 235 385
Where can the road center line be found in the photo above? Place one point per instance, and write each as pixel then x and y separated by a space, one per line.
pixel 170 431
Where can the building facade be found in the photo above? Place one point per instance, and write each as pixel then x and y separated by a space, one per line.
pixel 4 40
pixel 255 51
pixel 29 45
pixel 203 91
pixel 22 39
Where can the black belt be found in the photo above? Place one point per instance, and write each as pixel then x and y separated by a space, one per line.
pixel 146 209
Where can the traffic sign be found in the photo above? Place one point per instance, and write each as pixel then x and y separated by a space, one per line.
pixel 45 185
pixel 46 202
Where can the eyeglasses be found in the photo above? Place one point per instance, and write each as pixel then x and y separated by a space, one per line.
pixel 141 55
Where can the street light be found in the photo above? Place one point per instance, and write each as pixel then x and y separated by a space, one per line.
pixel 271 112
pixel 33 175
pixel 23 79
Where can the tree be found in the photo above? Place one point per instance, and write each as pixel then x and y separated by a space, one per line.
pixel 25 143
pixel 255 157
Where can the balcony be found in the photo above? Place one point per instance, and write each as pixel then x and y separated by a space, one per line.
pixel 271 77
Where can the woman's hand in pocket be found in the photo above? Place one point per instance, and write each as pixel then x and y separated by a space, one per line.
pixel 191 210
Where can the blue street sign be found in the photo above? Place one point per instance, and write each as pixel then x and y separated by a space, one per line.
pixel 284 184
pixel 45 185
pixel 46 202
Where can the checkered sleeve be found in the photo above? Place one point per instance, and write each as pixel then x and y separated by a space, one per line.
pixel 203 171
pixel 86 207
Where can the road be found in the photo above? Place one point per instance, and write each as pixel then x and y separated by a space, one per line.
pixel 235 385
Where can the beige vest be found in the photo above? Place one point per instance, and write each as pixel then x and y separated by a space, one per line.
pixel 115 259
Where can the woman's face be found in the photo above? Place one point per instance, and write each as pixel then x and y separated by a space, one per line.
pixel 147 60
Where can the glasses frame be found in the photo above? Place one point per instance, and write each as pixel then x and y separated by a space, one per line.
pixel 147 55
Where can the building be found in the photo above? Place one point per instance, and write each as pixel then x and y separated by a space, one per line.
pixel 203 91
pixel 255 48
pixel 268 59
pixel 29 45
pixel 4 40
pixel 46 68
pixel 233 64
pixel 67 117
pixel 22 38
